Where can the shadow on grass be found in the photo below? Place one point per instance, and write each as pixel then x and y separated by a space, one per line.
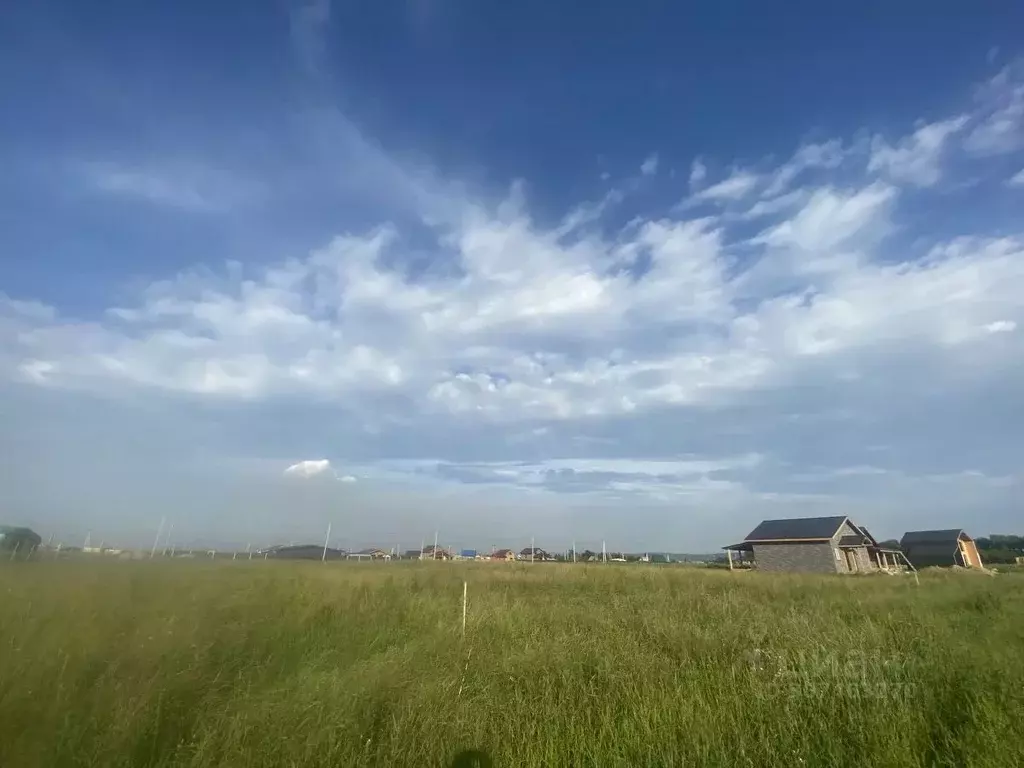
pixel 472 758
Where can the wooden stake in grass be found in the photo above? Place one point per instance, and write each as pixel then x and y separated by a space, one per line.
pixel 465 592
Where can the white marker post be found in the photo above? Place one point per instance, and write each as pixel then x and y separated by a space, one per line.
pixel 326 542
pixel 156 541
pixel 465 592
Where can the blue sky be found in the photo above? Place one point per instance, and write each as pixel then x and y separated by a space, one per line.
pixel 510 270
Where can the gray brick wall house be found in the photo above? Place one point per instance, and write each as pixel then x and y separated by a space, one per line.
pixel 807 545
pixel 810 557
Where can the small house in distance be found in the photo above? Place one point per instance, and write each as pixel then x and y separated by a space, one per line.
pixel 434 552
pixel 503 554
pixel 373 553
pixel 534 554
pixel 943 548
pixel 812 545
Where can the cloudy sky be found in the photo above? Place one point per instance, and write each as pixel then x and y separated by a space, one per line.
pixel 507 270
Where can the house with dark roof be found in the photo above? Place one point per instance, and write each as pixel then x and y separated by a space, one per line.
pixel 503 554
pixel 434 552
pixel 811 545
pixel 944 548
pixel 306 552
pixel 534 554
pixel 372 553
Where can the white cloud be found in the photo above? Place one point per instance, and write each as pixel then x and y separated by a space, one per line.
pixel 698 172
pixel 999 128
pixel 917 158
pixel 832 217
pixel 738 185
pixel 776 205
pixel 650 166
pixel 316 468
pixel 1001 326
pixel 1017 180
pixel 309 468
pixel 186 186
pixel 827 155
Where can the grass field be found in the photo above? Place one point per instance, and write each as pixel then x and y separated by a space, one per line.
pixel 305 664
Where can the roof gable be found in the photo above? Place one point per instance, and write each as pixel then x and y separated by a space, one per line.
pixel 948 537
pixel 867 535
pixel 797 528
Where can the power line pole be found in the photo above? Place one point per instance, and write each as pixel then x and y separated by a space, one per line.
pixel 326 542
pixel 156 541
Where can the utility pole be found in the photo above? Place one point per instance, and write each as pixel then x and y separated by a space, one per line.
pixel 167 539
pixel 156 541
pixel 533 549
pixel 574 551
pixel 434 553
pixel 604 552
pixel 326 542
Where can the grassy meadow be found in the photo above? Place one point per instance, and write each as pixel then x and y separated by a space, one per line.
pixel 309 664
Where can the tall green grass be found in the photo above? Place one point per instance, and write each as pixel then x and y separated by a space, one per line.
pixel 296 664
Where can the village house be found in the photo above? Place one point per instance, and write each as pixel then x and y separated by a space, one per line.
pixel 373 553
pixel 433 552
pixel 534 554
pixel 943 548
pixel 812 545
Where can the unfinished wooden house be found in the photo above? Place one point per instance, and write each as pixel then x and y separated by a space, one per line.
pixel 812 545
pixel 942 548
